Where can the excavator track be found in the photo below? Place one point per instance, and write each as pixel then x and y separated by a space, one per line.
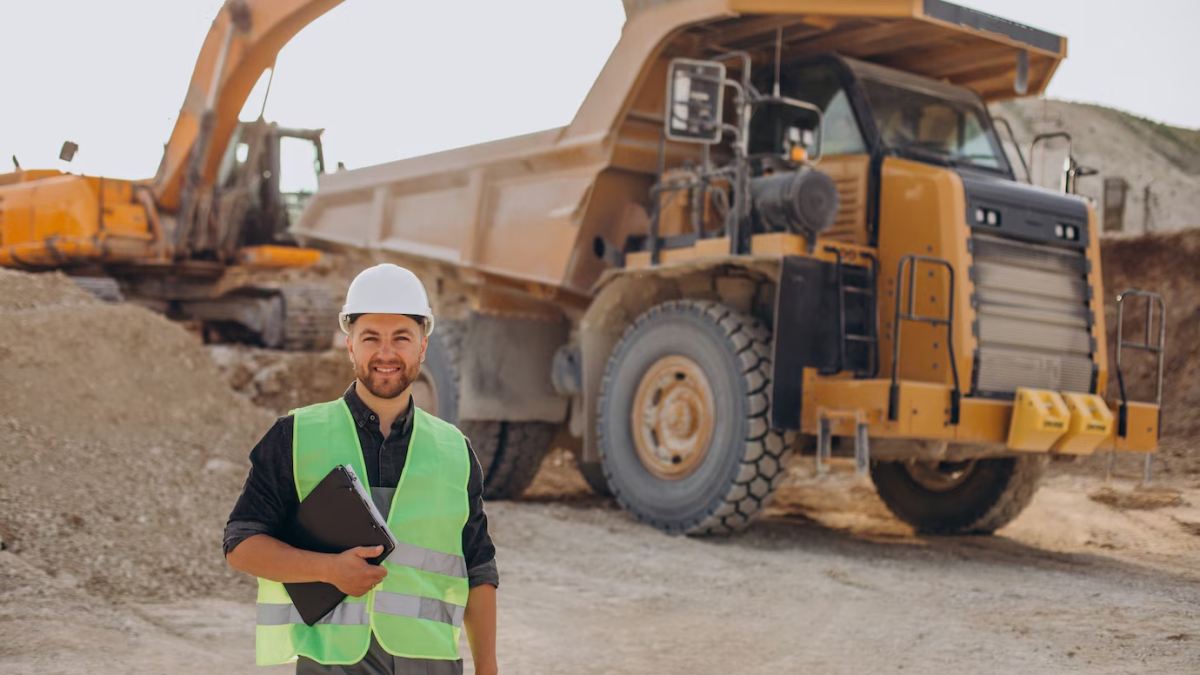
pixel 309 313
pixel 104 289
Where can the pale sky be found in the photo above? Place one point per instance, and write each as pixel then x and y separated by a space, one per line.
pixel 390 79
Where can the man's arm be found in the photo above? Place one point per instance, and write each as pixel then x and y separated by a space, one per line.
pixel 268 500
pixel 480 622
pixel 477 544
pixel 267 503
pixel 267 557
pixel 480 616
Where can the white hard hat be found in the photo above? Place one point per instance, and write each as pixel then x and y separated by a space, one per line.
pixel 386 289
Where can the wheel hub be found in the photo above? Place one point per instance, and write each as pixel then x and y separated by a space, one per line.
pixel 940 476
pixel 673 417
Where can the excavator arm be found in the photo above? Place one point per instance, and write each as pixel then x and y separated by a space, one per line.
pixel 243 42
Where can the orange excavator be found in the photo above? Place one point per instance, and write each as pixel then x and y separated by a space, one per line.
pixel 197 241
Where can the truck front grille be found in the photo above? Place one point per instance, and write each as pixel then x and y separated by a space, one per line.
pixel 1032 318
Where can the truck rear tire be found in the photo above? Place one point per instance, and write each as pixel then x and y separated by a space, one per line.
pixel 509 453
pixel 684 430
pixel 973 497
pixel 436 388
pixel 518 458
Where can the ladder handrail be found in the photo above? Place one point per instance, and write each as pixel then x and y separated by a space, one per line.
pixel 873 319
pixel 1159 350
pixel 912 261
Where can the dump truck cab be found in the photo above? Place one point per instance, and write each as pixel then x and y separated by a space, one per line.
pixel 920 171
pixel 773 228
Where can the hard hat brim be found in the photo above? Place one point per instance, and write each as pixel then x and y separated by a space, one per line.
pixel 344 320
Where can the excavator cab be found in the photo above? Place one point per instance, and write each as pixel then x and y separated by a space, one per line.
pixel 267 175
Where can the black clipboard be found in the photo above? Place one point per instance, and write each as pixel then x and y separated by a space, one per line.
pixel 336 516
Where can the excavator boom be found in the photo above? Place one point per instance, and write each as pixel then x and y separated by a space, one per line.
pixel 243 42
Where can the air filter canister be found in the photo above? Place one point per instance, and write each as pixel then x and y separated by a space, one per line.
pixel 801 202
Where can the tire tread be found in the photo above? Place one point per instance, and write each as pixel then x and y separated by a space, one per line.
pixel 750 343
pixel 999 503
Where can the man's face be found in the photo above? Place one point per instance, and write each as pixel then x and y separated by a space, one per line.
pixel 387 351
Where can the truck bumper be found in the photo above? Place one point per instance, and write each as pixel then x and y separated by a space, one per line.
pixel 924 413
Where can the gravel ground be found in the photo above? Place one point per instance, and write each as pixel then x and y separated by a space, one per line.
pixel 1095 577
pixel 828 583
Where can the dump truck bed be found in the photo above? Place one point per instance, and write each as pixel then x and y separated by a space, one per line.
pixel 478 209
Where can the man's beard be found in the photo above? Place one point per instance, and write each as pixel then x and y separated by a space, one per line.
pixel 387 387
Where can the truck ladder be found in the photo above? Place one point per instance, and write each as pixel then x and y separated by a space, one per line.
pixel 871 336
pixel 1158 349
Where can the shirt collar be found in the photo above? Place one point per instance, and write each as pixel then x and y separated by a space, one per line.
pixel 363 415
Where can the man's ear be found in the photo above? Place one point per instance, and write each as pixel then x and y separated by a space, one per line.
pixel 424 346
pixel 350 347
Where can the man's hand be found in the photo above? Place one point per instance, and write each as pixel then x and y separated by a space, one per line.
pixel 351 572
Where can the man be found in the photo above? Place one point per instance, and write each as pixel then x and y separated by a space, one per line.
pixel 403 616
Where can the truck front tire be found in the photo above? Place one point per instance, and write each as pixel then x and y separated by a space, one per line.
pixel 972 497
pixel 684 432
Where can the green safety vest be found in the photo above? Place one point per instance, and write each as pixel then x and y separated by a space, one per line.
pixel 417 611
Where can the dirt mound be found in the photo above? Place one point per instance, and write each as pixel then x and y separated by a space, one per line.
pixel 123 448
pixel 1138 499
pixel 28 291
pixel 559 480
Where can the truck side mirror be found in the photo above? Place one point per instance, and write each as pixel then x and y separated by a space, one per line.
pixel 695 101
pixel 1051 160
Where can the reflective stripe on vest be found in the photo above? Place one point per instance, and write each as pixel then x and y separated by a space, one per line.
pixel 417 611
pixel 429 561
pixel 345 614
pixel 417 607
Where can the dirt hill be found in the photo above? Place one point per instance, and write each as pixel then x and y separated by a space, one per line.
pixel 1157 160
pixel 122 447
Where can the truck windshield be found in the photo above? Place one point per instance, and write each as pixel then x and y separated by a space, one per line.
pixel 920 123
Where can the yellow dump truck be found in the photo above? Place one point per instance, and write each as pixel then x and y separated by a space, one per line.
pixel 195 242
pixel 772 226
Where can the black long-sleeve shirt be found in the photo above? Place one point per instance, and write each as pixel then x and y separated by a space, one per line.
pixel 268 501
